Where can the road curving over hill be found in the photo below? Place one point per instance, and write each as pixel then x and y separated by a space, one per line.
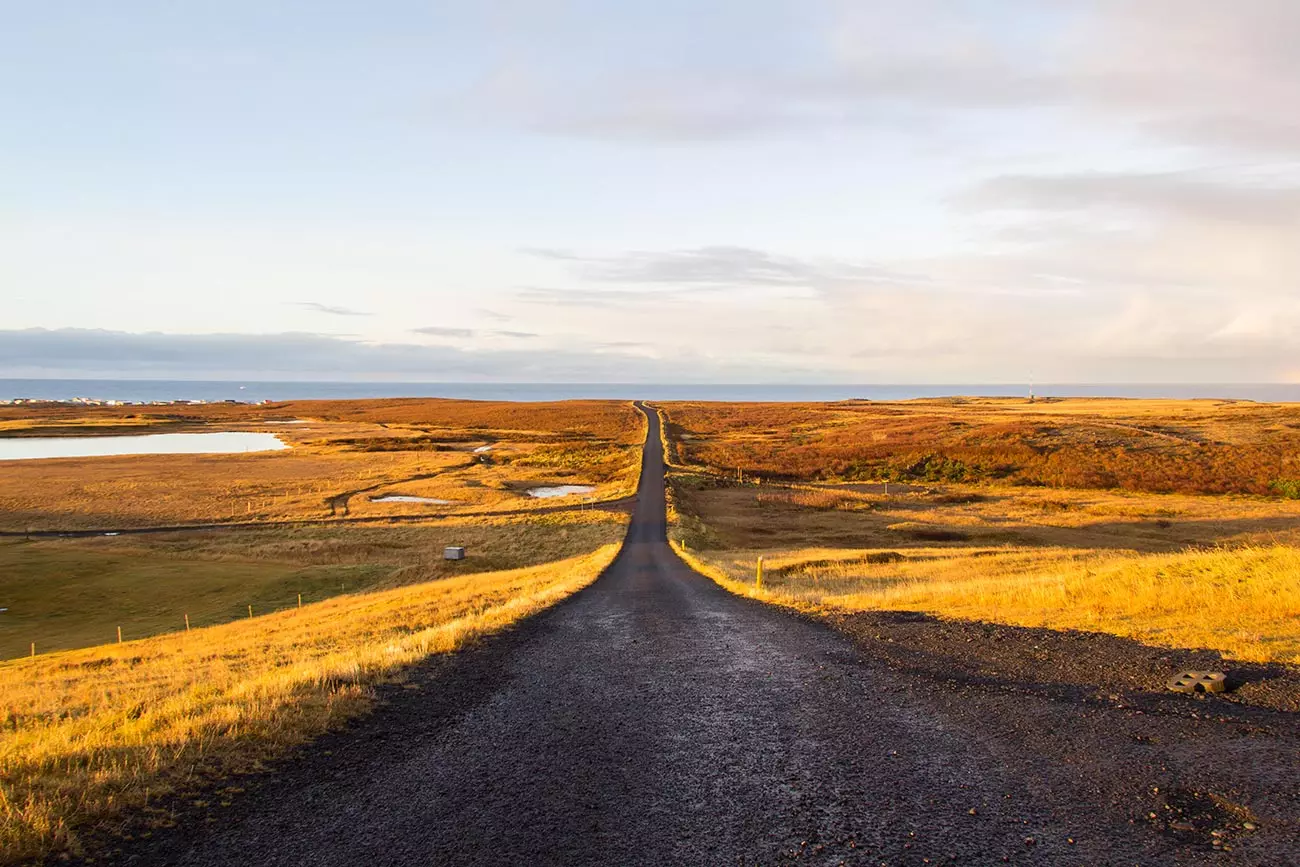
pixel 654 718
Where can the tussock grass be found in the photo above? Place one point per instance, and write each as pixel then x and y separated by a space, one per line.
pixel 1244 602
pixel 87 734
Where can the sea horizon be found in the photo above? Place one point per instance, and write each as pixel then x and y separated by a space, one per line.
pixel 255 391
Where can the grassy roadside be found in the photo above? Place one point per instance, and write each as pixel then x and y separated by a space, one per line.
pixel 1195 572
pixel 1242 602
pixel 88 734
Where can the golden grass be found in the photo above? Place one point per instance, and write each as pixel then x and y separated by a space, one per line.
pixel 1244 602
pixel 153 490
pixel 333 469
pixel 1186 569
pixel 803 516
pixel 69 593
pixel 90 733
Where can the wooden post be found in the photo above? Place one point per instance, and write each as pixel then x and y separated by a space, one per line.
pixel 250 611
pixel 33 650
pixel 119 635
pixel 299 600
pixel 187 623
pixel 758 576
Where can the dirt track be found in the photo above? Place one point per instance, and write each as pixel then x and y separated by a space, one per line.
pixel 656 719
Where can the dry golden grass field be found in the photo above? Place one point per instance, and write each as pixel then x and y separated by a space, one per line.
pixel 69 593
pixel 348 453
pixel 294 613
pixel 1179 547
pixel 88 734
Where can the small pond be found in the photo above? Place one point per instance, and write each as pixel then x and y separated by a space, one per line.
pixel 404 498
pixel 225 442
pixel 560 491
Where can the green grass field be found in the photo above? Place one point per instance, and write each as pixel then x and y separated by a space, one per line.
pixel 70 593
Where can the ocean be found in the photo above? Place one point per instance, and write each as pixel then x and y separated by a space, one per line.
pixel 149 390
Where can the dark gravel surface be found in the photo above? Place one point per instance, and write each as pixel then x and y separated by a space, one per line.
pixel 655 719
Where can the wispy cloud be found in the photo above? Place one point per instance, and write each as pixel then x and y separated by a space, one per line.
pixel 330 309
pixel 443 331
pixel 75 353
pixel 468 333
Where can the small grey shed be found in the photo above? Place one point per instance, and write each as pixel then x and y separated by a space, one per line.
pixel 453 553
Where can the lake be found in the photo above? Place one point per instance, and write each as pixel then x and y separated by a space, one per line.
pixel 224 442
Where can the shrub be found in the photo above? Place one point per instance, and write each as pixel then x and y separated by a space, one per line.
pixel 1287 488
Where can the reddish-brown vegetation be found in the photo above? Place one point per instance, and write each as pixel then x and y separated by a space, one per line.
pixel 1202 447
pixel 611 420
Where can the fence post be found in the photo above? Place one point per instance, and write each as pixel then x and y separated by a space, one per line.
pixel 187 623
pixel 758 576
pixel 250 611
pixel 299 600
pixel 119 635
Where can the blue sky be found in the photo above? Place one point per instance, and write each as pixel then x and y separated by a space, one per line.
pixel 1083 190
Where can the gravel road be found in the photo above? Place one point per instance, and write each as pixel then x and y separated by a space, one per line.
pixel 655 719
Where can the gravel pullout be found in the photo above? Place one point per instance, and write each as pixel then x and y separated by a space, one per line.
pixel 655 719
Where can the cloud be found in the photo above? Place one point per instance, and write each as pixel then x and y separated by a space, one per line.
pixel 87 353
pixel 329 309
pixel 1201 72
pixel 862 64
pixel 467 333
pixel 1204 73
pixel 1188 194
pixel 440 331
pixel 723 267
pixel 587 299
pixel 1214 240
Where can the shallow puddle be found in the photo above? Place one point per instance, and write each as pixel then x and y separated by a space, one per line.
pixel 560 491
pixel 403 498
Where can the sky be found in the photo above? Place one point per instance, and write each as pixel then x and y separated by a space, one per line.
pixel 709 191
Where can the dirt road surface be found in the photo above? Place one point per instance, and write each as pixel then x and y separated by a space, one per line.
pixel 655 719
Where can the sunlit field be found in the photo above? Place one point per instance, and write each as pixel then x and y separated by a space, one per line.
pixel 1193 447
pixel 140 664
pixel 1168 558
pixel 87 734
pixel 68 593
pixel 475 456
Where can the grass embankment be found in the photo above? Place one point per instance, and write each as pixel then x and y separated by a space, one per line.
pixel 69 593
pixel 88 734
